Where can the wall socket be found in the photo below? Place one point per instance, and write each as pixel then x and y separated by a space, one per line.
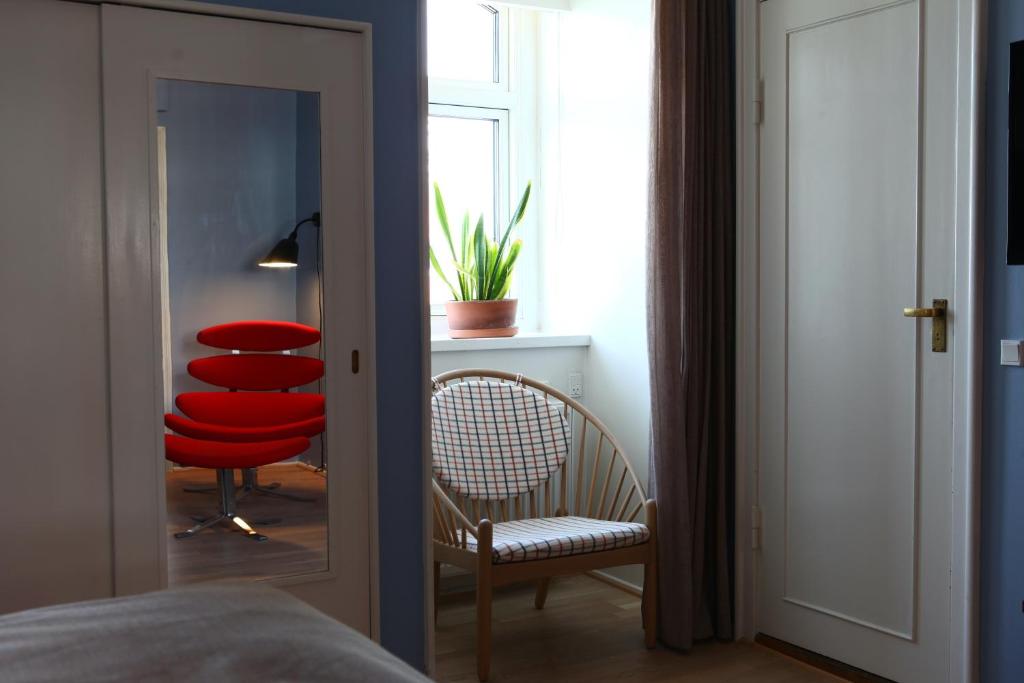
pixel 576 384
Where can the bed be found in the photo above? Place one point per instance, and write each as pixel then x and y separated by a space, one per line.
pixel 208 632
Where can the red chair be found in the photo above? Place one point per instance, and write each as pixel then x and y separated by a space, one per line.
pixel 257 417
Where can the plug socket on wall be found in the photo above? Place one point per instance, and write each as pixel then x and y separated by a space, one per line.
pixel 576 384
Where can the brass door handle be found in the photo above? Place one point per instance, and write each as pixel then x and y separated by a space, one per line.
pixel 938 315
pixel 924 312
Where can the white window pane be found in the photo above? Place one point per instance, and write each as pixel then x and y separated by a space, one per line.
pixel 462 161
pixel 461 40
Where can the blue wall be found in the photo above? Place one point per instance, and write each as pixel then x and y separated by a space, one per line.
pixel 399 263
pixel 1002 495
pixel 231 195
pixel 308 296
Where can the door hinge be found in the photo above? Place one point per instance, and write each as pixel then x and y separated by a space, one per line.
pixel 755 527
pixel 759 102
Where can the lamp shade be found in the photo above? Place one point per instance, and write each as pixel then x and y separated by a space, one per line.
pixel 284 255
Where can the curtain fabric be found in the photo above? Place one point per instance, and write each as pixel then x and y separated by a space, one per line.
pixel 690 314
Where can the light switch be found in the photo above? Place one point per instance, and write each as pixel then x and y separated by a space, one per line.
pixel 1010 352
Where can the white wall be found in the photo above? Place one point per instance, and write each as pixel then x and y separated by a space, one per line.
pixel 604 52
pixel 604 55
pixel 550 365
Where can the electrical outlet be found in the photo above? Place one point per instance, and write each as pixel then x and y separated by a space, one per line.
pixel 576 384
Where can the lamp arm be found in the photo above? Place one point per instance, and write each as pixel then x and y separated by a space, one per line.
pixel 314 219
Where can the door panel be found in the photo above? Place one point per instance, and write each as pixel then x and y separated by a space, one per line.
pixel 140 47
pixel 852 253
pixel 53 409
pixel 855 408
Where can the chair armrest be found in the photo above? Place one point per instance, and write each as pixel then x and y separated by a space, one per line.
pixel 449 520
pixel 651 515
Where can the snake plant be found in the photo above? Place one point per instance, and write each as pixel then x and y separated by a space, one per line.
pixel 483 267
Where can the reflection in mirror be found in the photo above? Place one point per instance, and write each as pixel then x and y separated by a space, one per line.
pixel 239 182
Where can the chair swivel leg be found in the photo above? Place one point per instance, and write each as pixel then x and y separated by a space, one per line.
pixel 251 484
pixel 226 487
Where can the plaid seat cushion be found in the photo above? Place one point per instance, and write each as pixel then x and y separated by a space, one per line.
pixel 492 440
pixel 541 539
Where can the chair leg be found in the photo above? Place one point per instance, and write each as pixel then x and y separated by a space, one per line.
pixel 483 601
pixel 437 588
pixel 251 484
pixel 483 628
pixel 542 593
pixel 650 603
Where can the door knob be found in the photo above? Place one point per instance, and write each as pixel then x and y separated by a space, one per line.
pixel 924 312
pixel 938 315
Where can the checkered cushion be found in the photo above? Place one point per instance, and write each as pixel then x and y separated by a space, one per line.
pixel 493 440
pixel 541 539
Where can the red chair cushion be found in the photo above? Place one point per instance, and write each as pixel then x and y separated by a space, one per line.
pixel 257 372
pixel 213 432
pixel 243 409
pixel 259 335
pixel 221 455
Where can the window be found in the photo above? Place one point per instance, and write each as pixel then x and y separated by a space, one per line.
pixel 479 131
pixel 464 41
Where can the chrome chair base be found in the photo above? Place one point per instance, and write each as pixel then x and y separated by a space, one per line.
pixel 226 487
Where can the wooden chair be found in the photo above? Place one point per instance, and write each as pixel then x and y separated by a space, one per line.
pixel 528 485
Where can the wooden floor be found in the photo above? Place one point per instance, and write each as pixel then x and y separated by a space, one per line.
pixel 590 631
pixel 297 545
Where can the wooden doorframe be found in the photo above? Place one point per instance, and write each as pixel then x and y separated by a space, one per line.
pixel 964 541
pixel 149 335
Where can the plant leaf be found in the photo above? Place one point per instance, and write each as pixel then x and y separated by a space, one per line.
pixel 480 266
pixel 517 218
pixel 503 280
pixel 465 281
pixel 440 272
pixel 442 217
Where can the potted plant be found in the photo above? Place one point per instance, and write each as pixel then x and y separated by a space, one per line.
pixel 482 277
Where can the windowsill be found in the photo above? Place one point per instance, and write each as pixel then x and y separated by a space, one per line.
pixel 523 340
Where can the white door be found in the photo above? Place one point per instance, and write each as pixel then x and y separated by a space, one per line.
pixel 857 223
pixel 140 47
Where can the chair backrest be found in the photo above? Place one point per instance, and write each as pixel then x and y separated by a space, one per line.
pixel 259 335
pixel 494 440
pixel 596 480
pixel 258 371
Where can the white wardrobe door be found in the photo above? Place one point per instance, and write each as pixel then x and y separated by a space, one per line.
pixel 55 483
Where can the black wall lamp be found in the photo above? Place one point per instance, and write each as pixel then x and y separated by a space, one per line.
pixel 286 253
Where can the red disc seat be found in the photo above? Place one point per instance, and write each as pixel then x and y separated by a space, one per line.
pixel 246 409
pixel 224 455
pixel 221 432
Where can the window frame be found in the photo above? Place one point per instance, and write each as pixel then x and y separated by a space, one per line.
pixel 510 100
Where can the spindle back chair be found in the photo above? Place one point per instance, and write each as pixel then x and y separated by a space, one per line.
pixel 532 476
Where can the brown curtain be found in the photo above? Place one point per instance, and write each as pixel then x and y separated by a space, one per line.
pixel 690 316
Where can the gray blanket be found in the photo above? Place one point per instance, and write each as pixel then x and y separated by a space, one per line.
pixel 212 632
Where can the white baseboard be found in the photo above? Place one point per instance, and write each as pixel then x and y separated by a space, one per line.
pixel 615 581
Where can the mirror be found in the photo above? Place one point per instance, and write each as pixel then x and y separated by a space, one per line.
pixel 238 172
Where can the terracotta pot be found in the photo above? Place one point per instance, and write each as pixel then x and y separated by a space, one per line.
pixel 475 319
